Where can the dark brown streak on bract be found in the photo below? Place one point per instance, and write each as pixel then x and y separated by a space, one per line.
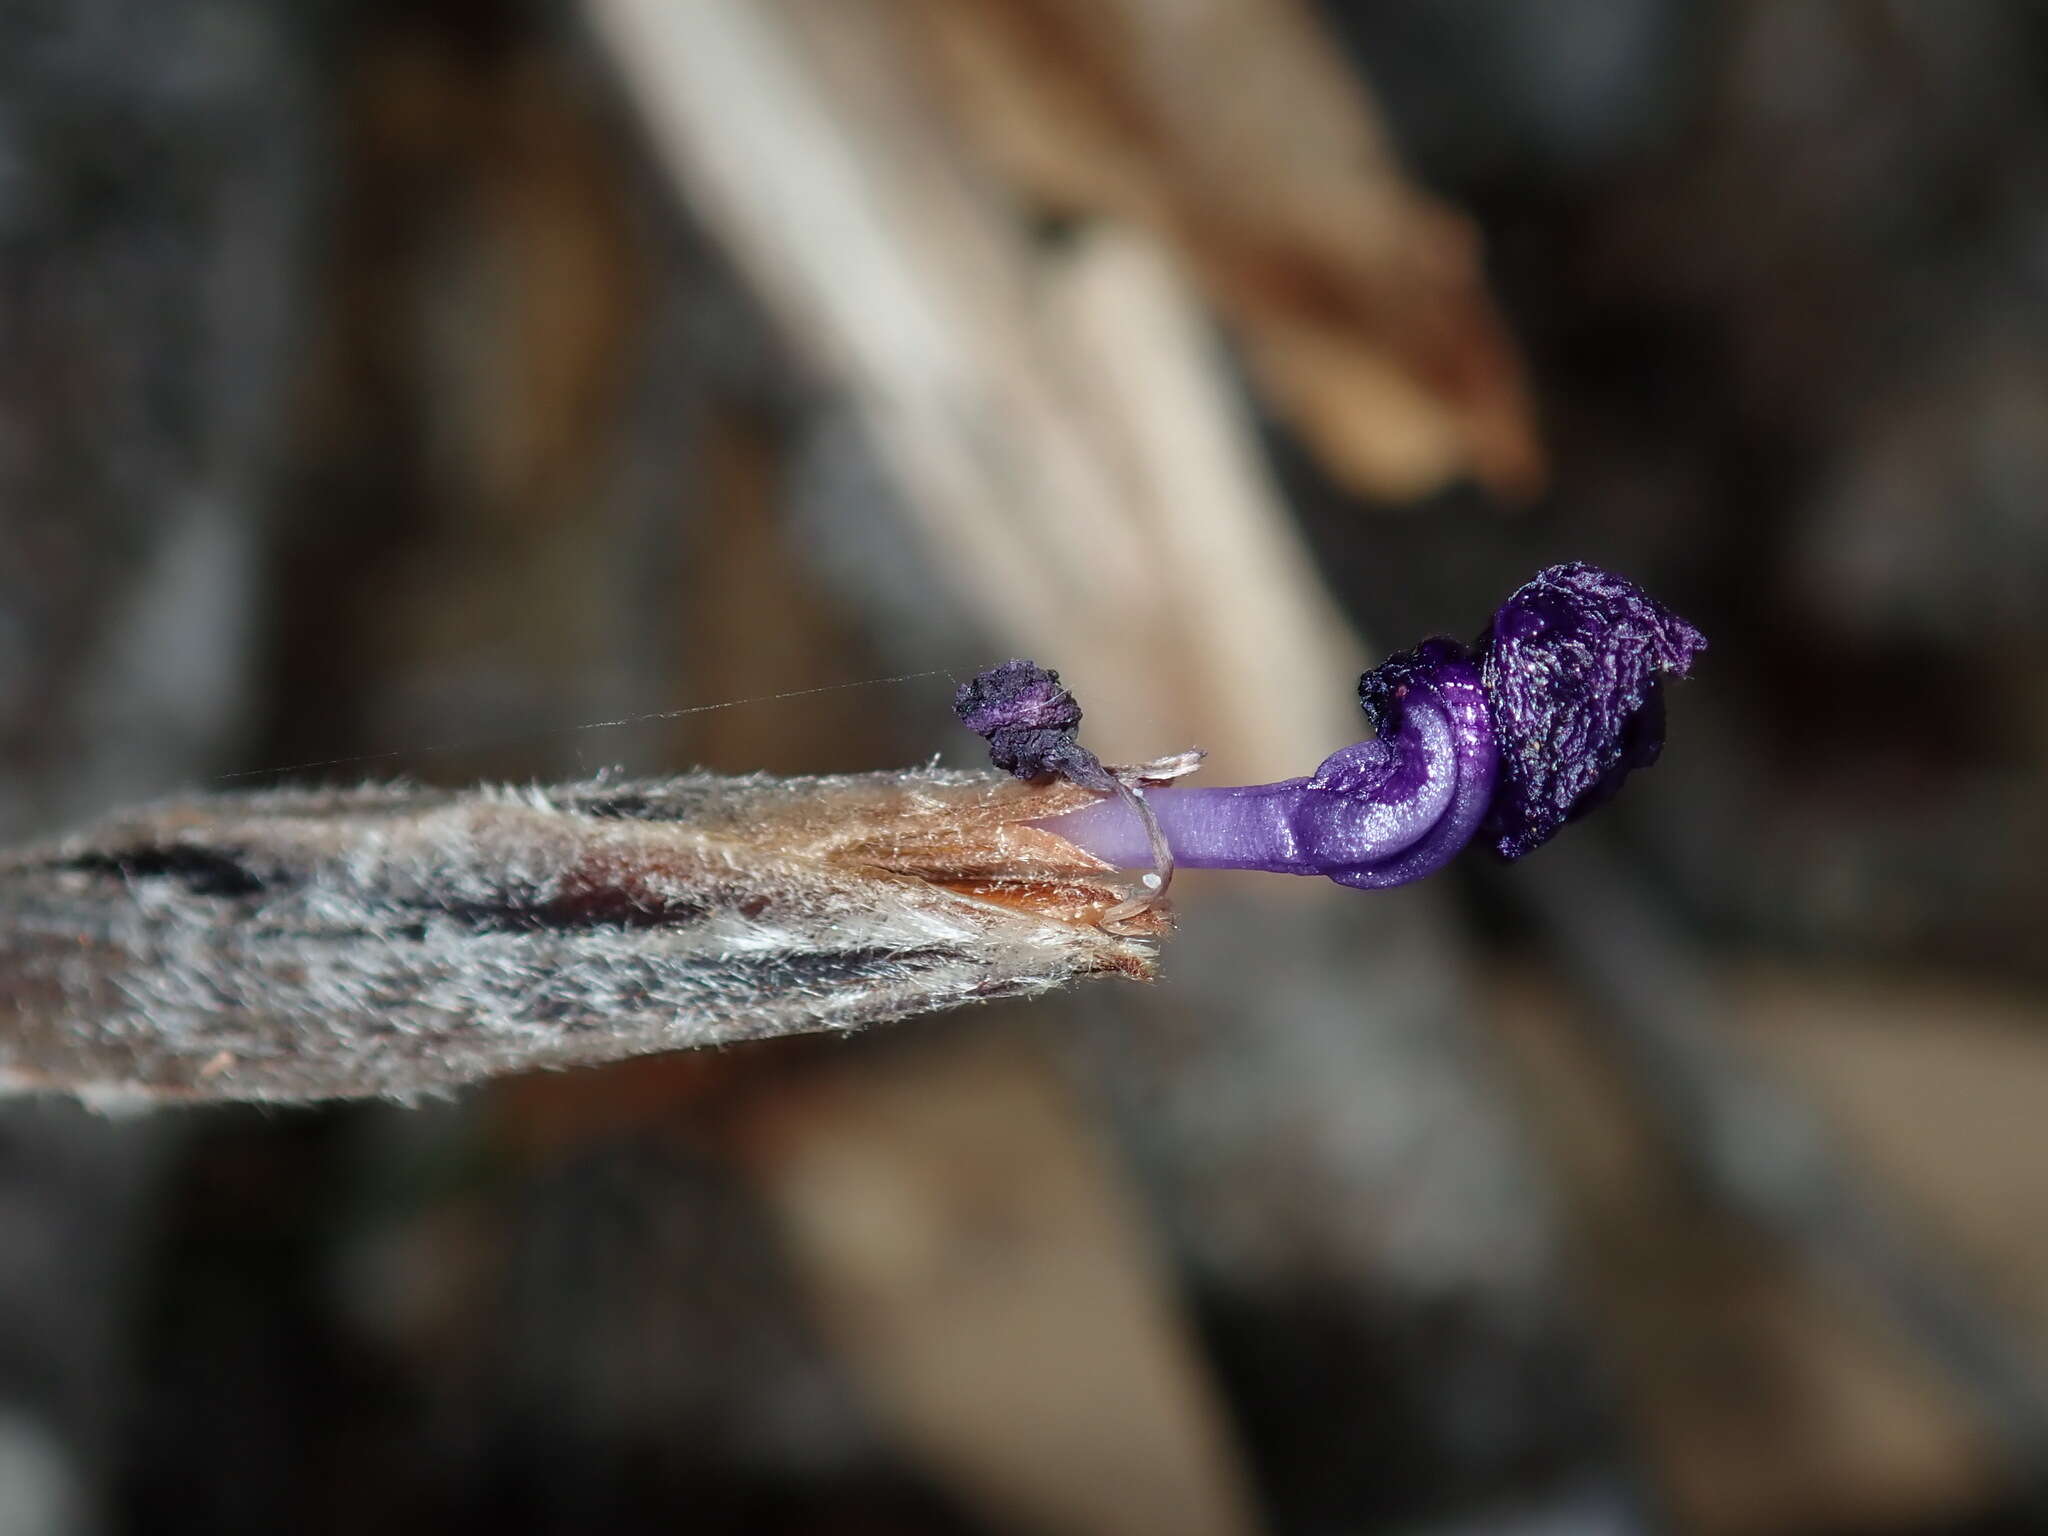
pixel 202 871
pixel 602 891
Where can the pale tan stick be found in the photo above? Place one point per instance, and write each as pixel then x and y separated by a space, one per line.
pixel 1059 426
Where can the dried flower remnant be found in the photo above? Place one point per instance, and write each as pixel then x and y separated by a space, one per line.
pixel 1574 663
pixel 1029 721
pixel 1536 724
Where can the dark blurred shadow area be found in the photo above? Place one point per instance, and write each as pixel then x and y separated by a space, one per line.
pixel 395 388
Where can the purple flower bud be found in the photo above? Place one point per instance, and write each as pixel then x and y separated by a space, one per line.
pixel 1029 722
pixel 1572 664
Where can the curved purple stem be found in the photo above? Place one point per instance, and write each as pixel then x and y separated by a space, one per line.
pixel 1380 813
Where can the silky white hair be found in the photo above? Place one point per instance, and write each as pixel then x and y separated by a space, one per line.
pixel 393 941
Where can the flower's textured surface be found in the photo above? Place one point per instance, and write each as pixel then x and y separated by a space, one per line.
pixel 1029 722
pixel 1572 665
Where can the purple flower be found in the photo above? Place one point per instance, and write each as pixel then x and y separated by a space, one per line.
pixel 1538 723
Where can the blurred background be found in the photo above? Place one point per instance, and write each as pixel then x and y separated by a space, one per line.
pixel 428 380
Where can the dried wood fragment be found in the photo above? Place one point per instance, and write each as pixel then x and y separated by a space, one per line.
pixel 393 940
pixel 1236 131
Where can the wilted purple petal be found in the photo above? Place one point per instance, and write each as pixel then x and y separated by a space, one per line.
pixel 1571 664
pixel 1029 722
